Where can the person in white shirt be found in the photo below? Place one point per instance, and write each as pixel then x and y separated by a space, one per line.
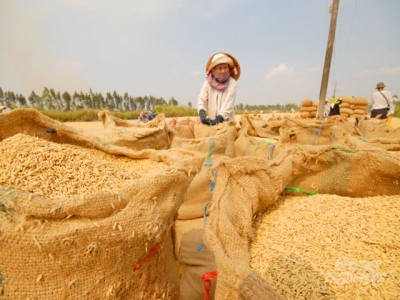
pixel 380 101
pixel 218 93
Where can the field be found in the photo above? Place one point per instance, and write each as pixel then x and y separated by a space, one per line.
pixel 96 127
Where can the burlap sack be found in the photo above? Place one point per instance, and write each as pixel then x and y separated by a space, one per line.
pixel 313 132
pixel 188 226
pixel 245 186
pixel 247 145
pixel 194 257
pixel 113 244
pixel 226 128
pixel 308 108
pixel 305 115
pixel 307 102
pixel 360 101
pixel 376 128
pixel 261 128
pixel 151 135
pixel 345 110
pixel 199 191
pixel 182 128
pixel 347 99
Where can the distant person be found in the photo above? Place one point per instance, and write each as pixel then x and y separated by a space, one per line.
pixel 327 108
pixel 380 101
pixel 150 115
pixel 218 93
pixel 393 104
pixel 335 110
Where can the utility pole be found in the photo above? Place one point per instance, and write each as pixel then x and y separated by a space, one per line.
pixel 328 58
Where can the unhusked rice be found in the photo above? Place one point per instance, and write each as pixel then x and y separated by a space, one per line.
pixel 330 247
pixel 54 170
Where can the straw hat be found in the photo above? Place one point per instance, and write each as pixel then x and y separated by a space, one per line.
pixel 2 107
pixel 224 58
pixel 380 85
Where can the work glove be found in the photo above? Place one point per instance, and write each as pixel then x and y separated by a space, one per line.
pixel 218 119
pixel 202 114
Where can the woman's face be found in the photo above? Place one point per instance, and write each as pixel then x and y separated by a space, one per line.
pixel 222 68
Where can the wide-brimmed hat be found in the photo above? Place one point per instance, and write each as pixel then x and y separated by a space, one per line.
pixel 2 107
pixel 224 58
pixel 380 85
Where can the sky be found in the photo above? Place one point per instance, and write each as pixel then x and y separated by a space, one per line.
pixel 161 47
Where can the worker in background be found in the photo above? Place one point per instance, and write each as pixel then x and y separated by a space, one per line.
pixel 335 110
pixel 380 101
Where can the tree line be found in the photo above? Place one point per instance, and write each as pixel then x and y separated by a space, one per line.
pixel 50 100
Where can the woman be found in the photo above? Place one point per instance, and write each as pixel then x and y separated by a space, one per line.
pixel 218 93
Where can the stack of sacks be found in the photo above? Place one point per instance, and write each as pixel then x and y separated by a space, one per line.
pixel 360 108
pixel 345 107
pixel 308 109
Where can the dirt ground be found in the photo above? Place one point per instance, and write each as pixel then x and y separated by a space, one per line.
pixel 96 127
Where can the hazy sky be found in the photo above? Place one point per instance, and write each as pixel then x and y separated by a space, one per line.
pixel 160 47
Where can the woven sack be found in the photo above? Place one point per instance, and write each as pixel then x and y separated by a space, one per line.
pixel 151 135
pixel 199 192
pixel 226 128
pixel 194 257
pixel 260 127
pixel 307 102
pixel 361 101
pixel 245 186
pixel 305 115
pixel 247 145
pixel 313 132
pixel 113 244
pixel 182 128
pixel 308 108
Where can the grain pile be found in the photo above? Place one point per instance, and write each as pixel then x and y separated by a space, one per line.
pixel 330 247
pixel 54 170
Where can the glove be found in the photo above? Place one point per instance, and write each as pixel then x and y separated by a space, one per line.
pixel 202 114
pixel 218 119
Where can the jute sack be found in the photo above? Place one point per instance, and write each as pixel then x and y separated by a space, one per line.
pixel 194 257
pixel 152 135
pixel 361 101
pixel 347 99
pixel 313 132
pixel 261 128
pixel 245 186
pixel 109 244
pixel 375 128
pixel 182 128
pixel 199 192
pixel 308 108
pixel 305 115
pixel 188 226
pixel 345 110
pixel 307 102
pixel 247 145
pixel 364 171
pixel 390 144
pixel 228 129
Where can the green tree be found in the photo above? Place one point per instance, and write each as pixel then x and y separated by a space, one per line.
pixel 67 100
pixel 172 102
